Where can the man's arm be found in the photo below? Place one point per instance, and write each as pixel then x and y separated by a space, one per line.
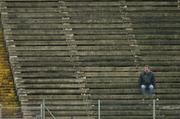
pixel 140 80
pixel 153 81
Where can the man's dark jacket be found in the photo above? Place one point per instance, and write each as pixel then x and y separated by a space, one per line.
pixel 147 78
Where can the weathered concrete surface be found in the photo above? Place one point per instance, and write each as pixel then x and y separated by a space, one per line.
pixel 73 53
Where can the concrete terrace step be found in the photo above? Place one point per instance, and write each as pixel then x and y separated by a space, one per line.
pixel 73 53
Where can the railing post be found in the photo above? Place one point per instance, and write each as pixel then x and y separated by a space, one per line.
pixel 43 110
pixel 154 109
pixel 99 109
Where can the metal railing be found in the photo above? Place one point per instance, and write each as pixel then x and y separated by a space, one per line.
pixel 43 109
pixel 157 108
pixel 99 109
pixel 154 109
pixel 13 110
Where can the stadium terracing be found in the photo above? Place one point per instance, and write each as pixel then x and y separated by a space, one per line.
pixel 72 53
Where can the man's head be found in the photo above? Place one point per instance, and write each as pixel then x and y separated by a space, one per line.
pixel 147 68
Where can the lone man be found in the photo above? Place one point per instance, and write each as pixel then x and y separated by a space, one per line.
pixel 147 81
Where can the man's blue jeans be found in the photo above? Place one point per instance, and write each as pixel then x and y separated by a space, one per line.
pixel 147 89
